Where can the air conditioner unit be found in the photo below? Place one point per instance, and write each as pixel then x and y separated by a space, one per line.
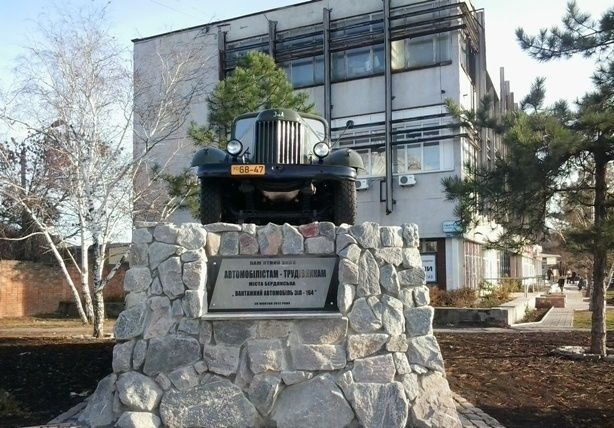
pixel 362 184
pixel 407 180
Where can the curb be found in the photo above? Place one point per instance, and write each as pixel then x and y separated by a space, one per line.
pixel 529 324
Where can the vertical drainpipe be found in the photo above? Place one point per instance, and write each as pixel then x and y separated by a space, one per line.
pixel 272 31
pixel 326 53
pixel 221 47
pixel 388 112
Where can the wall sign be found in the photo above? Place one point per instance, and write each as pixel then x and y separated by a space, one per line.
pixel 450 227
pixel 429 262
pixel 286 283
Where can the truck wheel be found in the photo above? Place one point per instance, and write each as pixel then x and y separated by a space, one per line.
pixel 210 202
pixel 344 203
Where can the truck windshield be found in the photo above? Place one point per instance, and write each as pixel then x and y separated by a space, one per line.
pixel 314 132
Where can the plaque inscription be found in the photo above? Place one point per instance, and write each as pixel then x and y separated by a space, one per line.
pixel 286 283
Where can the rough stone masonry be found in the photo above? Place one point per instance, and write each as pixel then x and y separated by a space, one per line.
pixel 376 365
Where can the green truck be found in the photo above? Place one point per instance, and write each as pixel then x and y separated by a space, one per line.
pixel 278 167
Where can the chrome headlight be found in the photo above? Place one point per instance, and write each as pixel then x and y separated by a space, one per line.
pixel 321 149
pixel 234 147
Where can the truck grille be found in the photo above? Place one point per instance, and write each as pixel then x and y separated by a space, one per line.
pixel 278 141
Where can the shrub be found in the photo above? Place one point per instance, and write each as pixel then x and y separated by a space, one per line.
pixel 463 297
pixel 437 296
pixel 496 294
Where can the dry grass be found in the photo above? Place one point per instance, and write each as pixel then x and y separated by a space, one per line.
pixel 582 319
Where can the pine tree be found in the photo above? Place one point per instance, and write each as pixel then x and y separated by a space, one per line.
pixel 557 158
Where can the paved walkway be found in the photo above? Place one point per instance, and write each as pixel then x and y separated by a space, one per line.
pixel 559 319
pixel 470 416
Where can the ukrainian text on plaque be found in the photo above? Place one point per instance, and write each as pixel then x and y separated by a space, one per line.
pixel 286 283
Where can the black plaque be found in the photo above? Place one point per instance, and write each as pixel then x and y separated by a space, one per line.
pixel 279 283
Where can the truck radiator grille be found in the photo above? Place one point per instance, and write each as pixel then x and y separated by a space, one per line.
pixel 278 141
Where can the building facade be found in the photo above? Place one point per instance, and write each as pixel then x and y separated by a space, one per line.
pixel 389 66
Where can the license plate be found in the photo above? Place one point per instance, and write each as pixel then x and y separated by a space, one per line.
pixel 247 169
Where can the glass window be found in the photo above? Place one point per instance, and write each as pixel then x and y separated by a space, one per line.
pixel 302 72
pixel 339 66
pixel 442 50
pixel 420 51
pixel 399 163
pixel 358 62
pixel 428 246
pixel 319 70
pixel 431 157
pixel 378 162
pixel 379 61
pixel 305 72
pixel 397 52
pixel 414 157
pixel 364 154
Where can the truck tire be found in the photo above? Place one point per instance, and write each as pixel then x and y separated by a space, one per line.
pixel 344 203
pixel 210 202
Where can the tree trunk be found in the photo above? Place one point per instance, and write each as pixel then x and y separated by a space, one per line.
pixel 85 273
pixel 67 277
pixel 600 256
pixel 99 314
pixel 99 250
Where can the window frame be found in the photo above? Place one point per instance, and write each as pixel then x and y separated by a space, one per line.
pixel 439 56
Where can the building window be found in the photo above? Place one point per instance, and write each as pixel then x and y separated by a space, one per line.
pixel 468 59
pixel 417 157
pixel 234 51
pixel 428 246
pixel 290 42
pixel 473 264
pixel 374 161
pixel 420 51
pixel 470 153
pixel 416 147
pixel 305 71
pixel 358 62
pixel 357 30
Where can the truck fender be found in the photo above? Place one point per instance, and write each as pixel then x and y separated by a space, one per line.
pixel 345 157
pixel 209 155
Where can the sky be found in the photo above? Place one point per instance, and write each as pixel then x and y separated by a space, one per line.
pixel 129 19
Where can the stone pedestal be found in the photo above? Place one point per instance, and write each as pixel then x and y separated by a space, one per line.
pixel 374 364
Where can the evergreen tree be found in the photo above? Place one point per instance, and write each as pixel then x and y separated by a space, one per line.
pixel 557 159
pixel 256 84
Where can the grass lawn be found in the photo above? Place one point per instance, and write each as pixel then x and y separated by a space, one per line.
pixel 582 319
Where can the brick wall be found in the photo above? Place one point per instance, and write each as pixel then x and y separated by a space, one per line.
pixel 28 288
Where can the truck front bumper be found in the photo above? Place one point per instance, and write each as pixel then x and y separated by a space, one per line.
pixel 281 172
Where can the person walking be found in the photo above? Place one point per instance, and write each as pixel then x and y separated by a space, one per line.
pixel 562 284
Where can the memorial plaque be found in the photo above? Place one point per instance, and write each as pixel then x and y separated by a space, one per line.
pixel 281 283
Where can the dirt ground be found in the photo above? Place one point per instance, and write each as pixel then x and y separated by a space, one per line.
pixel 514 378
pixel 511 376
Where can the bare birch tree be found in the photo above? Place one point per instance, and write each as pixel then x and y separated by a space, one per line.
pixel 76 88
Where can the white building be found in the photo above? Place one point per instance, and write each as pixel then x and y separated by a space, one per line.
pixel 388 66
